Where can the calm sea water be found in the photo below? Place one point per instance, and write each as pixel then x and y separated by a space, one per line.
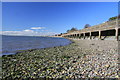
pixel 11 44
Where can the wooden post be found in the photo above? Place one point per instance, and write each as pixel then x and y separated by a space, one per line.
pixel 79 36
pixel 84 35
pixel 116 33
pixel 71 36
pixel 90 35
pixel 74 35
pixel 99 34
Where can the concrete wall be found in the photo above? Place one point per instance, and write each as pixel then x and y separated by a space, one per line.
pixel 98 31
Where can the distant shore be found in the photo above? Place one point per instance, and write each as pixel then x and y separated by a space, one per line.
pixel 81 59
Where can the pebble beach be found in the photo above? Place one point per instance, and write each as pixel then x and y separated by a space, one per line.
pixel 80 59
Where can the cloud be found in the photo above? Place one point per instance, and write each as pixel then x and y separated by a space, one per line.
pixel 11 32
pixel 27 32
pixel 37 28
pixel 33 31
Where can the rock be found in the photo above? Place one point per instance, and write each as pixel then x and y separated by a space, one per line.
pixel 74 61
pixel 107 66
pixel 62 62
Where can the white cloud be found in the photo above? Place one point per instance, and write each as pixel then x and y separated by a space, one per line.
pixel 11 32
pixel 27 33
pixel 37 27
pixel 28 30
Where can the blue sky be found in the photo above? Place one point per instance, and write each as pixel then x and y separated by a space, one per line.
pixel 47 18
pixel 60 0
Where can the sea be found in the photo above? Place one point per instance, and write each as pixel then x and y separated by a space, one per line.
pixel 12 44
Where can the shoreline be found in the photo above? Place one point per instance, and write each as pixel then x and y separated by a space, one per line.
pixel 71 61
pixel 24 50
pixel 30 50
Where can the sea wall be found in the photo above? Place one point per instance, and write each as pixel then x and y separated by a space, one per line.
pixel 106 29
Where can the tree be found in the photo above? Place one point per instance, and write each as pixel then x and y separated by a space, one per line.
pixel 68 31
pixel 112 18
pixel 87 25
pixel 72 30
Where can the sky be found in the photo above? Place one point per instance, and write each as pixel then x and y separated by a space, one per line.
pixel 60 0
pixel 49 18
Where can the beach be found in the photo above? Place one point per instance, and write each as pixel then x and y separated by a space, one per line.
pixel 80 59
